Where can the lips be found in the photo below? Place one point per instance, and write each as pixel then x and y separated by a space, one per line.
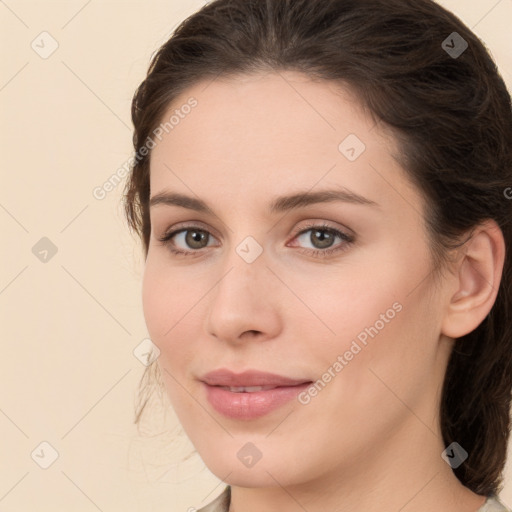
pixel 249 378
pixel 250 394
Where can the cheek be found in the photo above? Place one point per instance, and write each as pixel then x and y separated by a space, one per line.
pixel 351 303
pixel 170 323
pixel 392 365
pixel 157 304
pixel 379 319
pixel 168 307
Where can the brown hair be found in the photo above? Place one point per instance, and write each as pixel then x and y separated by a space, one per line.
pixel 451 115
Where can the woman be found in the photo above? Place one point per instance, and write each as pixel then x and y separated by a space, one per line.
pixel 322 189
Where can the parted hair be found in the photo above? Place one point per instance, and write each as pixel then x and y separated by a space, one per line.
pixel 452 119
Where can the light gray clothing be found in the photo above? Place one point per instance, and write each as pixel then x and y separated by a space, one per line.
pixel 221 504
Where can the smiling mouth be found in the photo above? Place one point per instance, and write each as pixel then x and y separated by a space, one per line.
pixel 251 394
pixel 249 380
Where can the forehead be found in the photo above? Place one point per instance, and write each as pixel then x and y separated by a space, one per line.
pixel 264 132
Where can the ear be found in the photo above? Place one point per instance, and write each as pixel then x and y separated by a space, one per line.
pixel 475 282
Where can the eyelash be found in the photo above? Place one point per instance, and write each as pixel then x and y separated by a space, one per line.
pixel 347 239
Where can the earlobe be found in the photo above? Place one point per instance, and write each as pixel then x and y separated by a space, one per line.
pixel 476 280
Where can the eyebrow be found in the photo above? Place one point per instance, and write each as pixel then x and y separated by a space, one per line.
pixel 279 204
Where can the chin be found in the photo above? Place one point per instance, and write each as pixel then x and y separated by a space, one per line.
pixel 229 466
pixel 252 478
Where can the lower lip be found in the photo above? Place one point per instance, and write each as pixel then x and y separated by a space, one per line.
pixel 247 406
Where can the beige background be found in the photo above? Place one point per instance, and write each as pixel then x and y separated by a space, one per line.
pixel 70 324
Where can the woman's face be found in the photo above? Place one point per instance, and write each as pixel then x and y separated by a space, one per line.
pixel 335 295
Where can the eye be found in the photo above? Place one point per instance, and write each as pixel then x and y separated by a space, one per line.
pixel 322 238
pixel 191 236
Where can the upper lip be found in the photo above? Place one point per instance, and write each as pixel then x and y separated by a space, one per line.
pixel 224 377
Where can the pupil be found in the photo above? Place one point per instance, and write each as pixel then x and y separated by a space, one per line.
pixel 196 237
pixel 324 238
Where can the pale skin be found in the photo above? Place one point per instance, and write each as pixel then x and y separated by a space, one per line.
pixel 370 440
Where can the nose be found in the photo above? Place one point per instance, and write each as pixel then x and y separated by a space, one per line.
pixel 246 303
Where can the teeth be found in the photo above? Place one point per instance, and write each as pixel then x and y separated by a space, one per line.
pixel 247 389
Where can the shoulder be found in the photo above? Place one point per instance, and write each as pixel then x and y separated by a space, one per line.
pixel 493 504
pixel 220 504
